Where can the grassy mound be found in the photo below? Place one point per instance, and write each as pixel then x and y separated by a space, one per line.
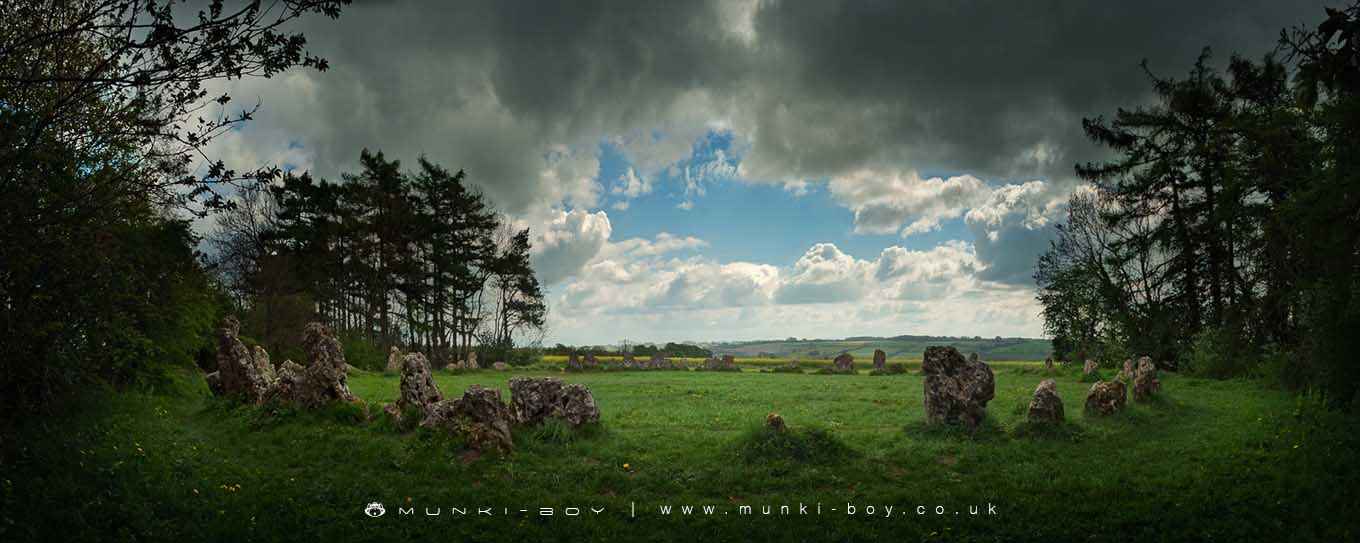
pixel 811 445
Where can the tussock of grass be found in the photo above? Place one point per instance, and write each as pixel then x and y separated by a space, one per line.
pixel 803 445
pixel 558 432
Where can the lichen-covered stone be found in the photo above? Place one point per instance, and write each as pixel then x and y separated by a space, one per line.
pixel 479 416
pixel 775 422
pixel 1046 406
pixel 573 363
pixel 417 383
pixel 532 400
pixel 1106 397
pixel 844 363
pixel 577 406
pixel 324 379
pixel 1089 368
pixel 1145 382
pixel 394 360
pixel 956 389
pixel 237 371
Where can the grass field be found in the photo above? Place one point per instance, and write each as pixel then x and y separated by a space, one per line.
pixel 1209 461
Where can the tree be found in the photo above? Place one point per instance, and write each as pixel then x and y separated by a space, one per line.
pixel 102 115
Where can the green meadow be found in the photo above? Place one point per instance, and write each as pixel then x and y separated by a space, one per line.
pixel 1208 460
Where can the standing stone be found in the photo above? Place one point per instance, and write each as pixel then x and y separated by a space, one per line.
pixel 500 366
pixel 479 416
pixel 532 400
pixel 956 389
pixel 1145 382
pixel 394 360
pixel 1089 368
pixel 237 371
pixel 471 360
pixel 775 423
pixel 880 359
pixel 1048 363
pixel 417 384
pixel 1105 397
pixel 577 406
pixel 844 363
pixel 591 361
pixel 659 362
pixel 262 364
pixel 1126 375
pixel 573 363
pixel 1046 406
pixel 324 378
pixel 729 362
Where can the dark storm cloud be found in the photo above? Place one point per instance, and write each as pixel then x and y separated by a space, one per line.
pixel 521 93
pixel 992 89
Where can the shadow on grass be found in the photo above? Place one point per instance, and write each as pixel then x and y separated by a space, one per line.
pixel 1050 431
pixel 987 430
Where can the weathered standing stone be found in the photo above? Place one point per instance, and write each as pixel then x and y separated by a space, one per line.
pixel 880 359
pixel 1126 374
pixel 289 382
pixel 956 389
pixel 591 361
pixel 237 371
pixel 1046 406
pixel 394 360
pixel 1048 363
pixel 1089 368
pixel 573 363
pixel 479 415
pixel 729 362
pixel 501 366
pixel 417 384
pixel 1105 397
pixel 262 364
pixel 845 364
pixel 471 361
pixel 324 378
pixel 532 400
pixel 577 406
pixel 659 362
pixel 1145 382
pixel 775 422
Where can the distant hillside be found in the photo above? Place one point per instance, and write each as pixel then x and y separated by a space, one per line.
pixel 901 347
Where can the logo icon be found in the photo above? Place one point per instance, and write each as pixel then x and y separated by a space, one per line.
pixel 375 510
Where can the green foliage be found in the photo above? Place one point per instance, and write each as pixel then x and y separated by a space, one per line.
pixel 891 369
pixel 362 353
pixel 1218 353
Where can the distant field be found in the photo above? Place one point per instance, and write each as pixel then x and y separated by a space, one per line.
pixel 1210 460
pixel 904 348
pixel 863 363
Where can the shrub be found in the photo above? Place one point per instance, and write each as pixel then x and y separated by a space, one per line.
pixel 1219 353
pixel 362 353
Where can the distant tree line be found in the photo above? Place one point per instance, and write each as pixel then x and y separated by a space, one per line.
pixel 1224 235
pixel 417 259
pixel 671 349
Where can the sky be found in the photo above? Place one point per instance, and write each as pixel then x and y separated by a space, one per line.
pixel 745 169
